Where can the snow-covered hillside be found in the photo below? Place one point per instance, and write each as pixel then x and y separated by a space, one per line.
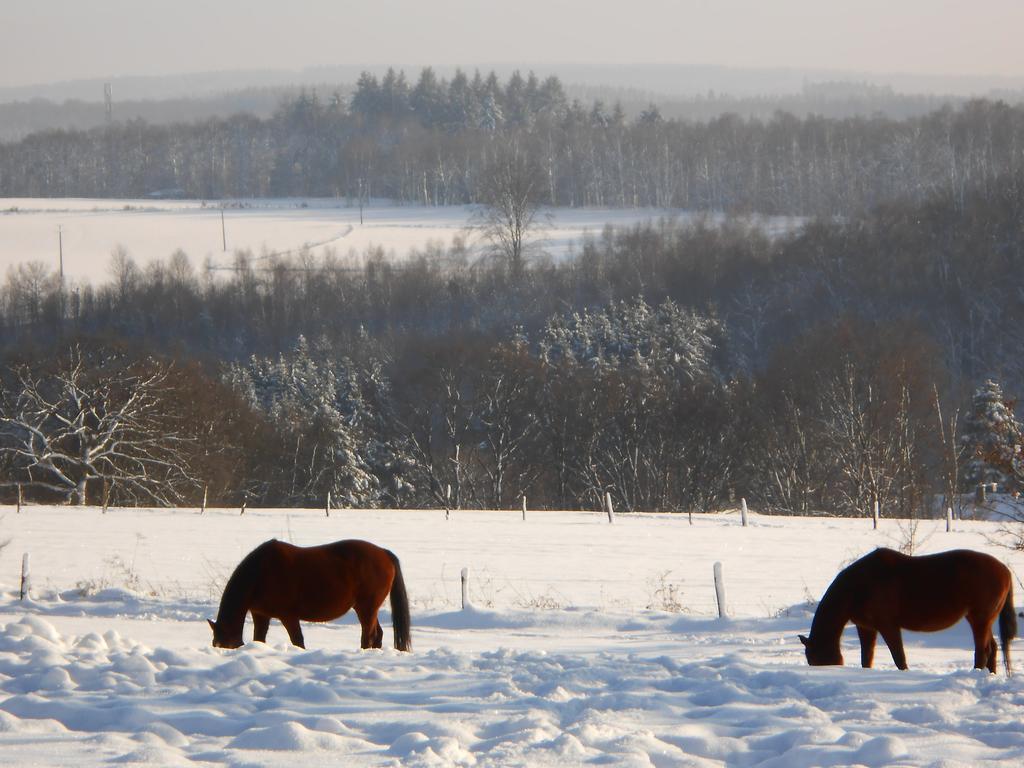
pixel 585 643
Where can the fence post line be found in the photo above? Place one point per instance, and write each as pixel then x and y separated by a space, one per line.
pixel 25 585
pixel 524 506
pixel 743 512
pixel 949 519
pixel 19 498
pixel 245 500
pixel 106 494
pixel 720 590
pixel 608 506
pixel 206 489
pixel 465 587
pixel 327 505
pixel 874 515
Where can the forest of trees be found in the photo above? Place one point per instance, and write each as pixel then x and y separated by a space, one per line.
pixel 431 141
pixel 677 367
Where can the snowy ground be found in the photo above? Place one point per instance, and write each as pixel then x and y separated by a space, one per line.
pixel 586 643
pixel 154 229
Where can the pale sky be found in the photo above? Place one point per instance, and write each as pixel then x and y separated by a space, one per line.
pixel 44 41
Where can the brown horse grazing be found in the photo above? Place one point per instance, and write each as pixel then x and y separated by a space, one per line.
pixel 281 581
pixel 886 591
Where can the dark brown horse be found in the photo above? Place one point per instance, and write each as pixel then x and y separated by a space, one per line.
pixel 281 581
pixel 886 591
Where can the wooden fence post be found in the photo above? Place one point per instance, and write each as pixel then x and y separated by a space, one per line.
pixel 245 500
pixel 19 498
pixel 608 506
pixel 206 489
pixel 106 494
pixel 949 519
pixel 327 505
pixel 874 515
pixel 25 585
pixel 720 590
pixel 743 512
pixel 465 588
pixel 524 506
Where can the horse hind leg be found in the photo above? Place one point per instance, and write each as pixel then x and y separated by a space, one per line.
pixel 993 654
pixel 372 634
pixel 984 644
pixel 894 639
pixel 378 636
pixel 294 631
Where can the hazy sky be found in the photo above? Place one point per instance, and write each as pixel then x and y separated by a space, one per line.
pixel 48 40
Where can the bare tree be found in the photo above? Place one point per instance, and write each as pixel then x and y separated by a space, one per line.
pixel 74 426
pixel 508 419
pixel 511 190
pixel 953 452
pixel 438 428
pixel 788 462
pixel 865 440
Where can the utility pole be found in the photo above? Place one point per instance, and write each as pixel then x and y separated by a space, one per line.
pixel 60 256
pixel 360 202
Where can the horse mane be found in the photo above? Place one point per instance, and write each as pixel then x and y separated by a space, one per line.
pixel 830 609
pixel 241 581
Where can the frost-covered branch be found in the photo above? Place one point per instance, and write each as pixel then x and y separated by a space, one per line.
pixel 78 425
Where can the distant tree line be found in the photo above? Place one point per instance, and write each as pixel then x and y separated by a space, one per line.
pixel 675 367
pixel 432 141
pixel 832 99
pixel 19 119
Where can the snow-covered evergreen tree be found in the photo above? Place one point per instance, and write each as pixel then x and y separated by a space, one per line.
pixel 635 369
pixel 631 334
pixel 334 415
pixel 492 118
pixel 993 438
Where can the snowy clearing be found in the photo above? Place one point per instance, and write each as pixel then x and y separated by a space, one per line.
pixel 586 643
pixel 154 229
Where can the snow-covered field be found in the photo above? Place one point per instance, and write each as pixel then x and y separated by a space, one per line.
pixel 154 229
pixel 585 643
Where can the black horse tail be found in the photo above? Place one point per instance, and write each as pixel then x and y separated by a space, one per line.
pixel 1007 627
pixel 400 609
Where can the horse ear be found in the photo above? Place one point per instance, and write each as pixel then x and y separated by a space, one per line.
pixel 213 626
pixel 804 640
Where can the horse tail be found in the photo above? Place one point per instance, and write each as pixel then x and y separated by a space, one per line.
pixel 400 608
pixel 1007 627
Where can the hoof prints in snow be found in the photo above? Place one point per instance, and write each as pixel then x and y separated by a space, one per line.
pixel 108 699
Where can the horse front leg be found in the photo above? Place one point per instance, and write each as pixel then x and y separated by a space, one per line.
pixel 894 639
pixel 260 625
pixel 867 645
